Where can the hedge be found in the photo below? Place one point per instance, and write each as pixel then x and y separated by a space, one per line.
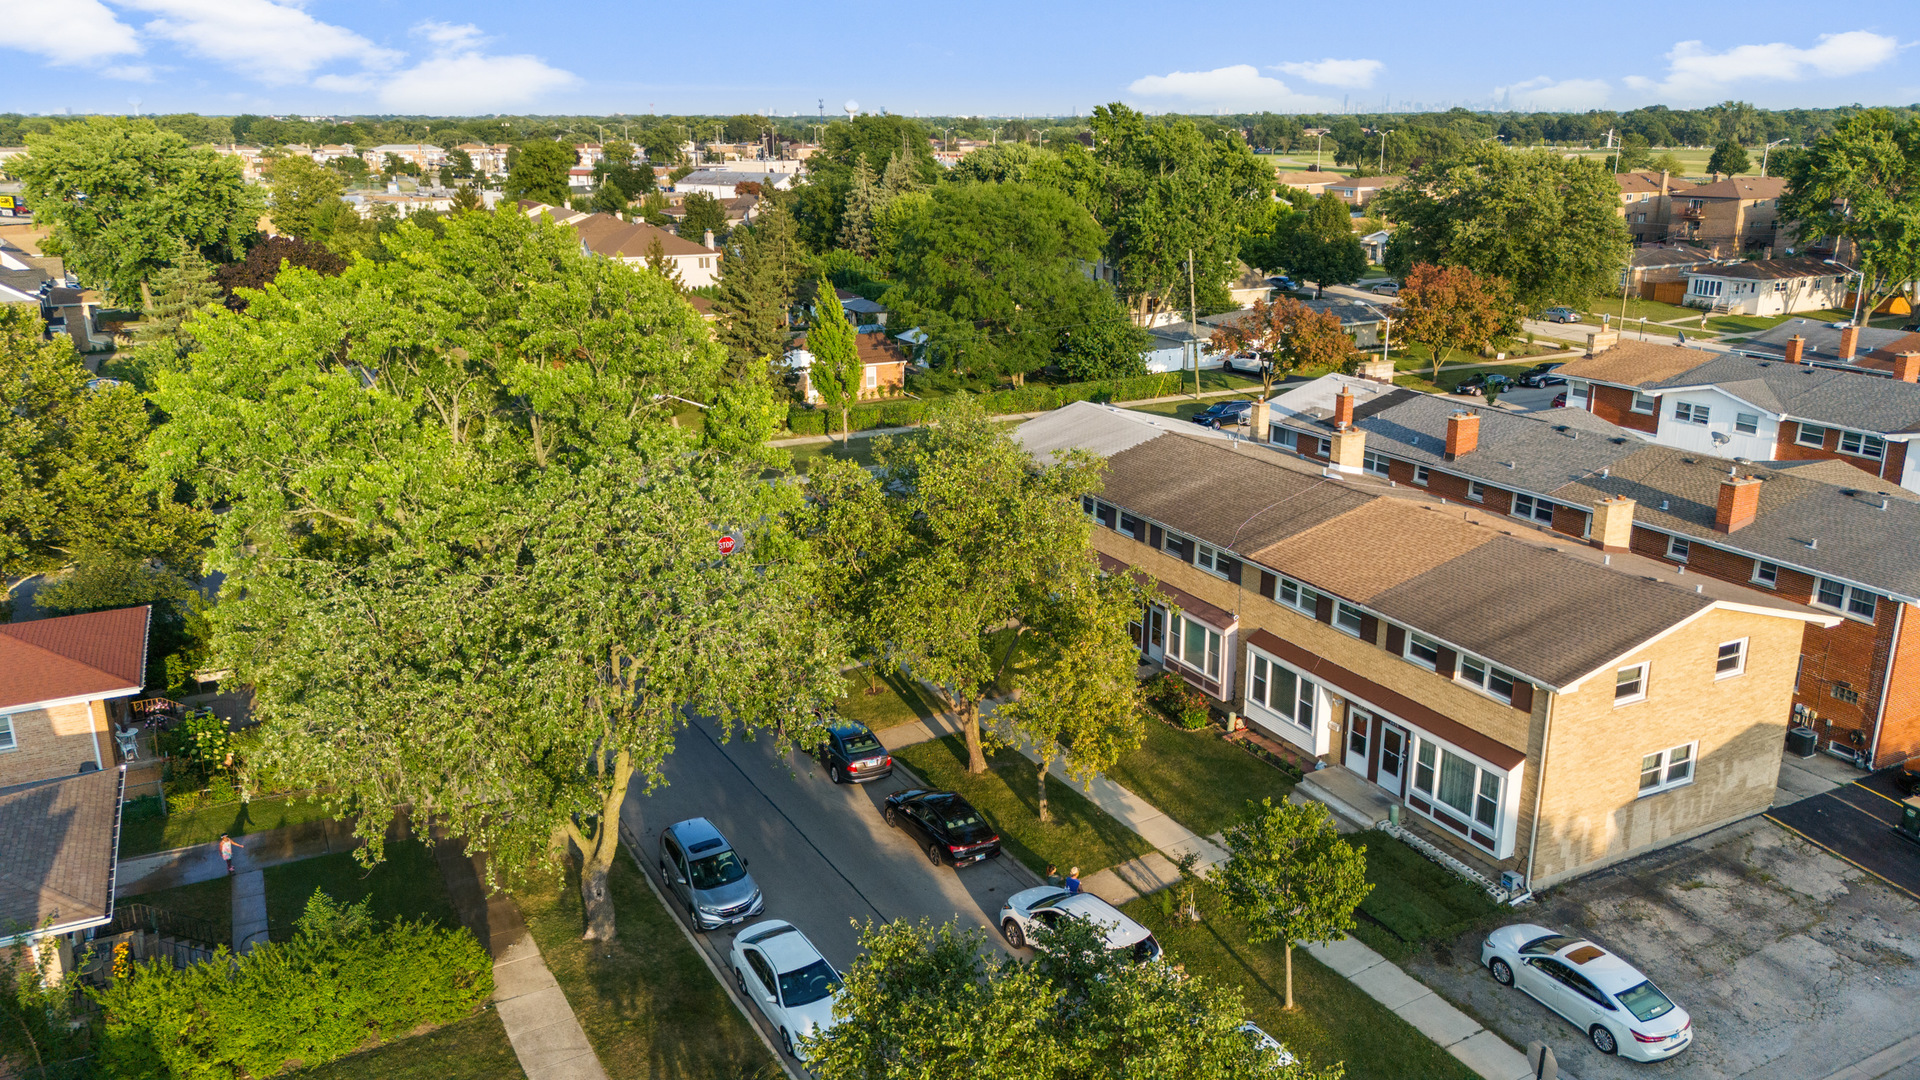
pixel 1021 399
pixel 341 982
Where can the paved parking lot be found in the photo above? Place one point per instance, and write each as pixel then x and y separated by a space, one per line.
pixel 1854 822
pixel 1793 963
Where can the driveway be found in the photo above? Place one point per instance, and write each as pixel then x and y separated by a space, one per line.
pixel 1856 822
pixel 822 854
pixel 1793 963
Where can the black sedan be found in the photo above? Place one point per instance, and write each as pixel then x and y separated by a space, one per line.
pixel 1541 375
pixel 947 827
pixel 1225 413
pixel 852 755
pixel 1477 385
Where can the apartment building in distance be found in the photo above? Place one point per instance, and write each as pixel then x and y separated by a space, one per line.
pixel 1813 532
pixel 1538 705
pixel 1731 218
pixel 1646 201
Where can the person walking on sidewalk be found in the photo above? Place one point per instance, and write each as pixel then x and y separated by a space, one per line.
pixel 226 850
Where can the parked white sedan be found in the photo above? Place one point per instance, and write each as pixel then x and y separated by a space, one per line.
pixel 781 972
pixel 1049 904
pixel 1617 1007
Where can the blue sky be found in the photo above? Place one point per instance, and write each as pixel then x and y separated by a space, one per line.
pixel 987 56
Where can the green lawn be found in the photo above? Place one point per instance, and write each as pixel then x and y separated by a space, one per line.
pixel 407 883
pixel 1184 410
pixel 899 701
pixel 1451 377
pixel 856 449
pixel 210 902
pixel 1008 794
pixel 139 837
pixel 1334 1020
pixel 648 1003
pixel 472 1049
pixel 1199 778
pixel 1637 309
pixel 1414 900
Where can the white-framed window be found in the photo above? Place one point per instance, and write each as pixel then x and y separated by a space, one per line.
pixel 1730 660
pixel 1810 435
pixel 1533 509
pixel 1299 597
pixel 1196 645
pixel 1688 412
pixel 1746 423
pixel 1707 286
pixel 1577 393
pixel 7 740
pixel 1630 684
pixel 1281 436
pixel 1420 475
pixel 1678 549
pixel 1279 690
pixel 1667 769
pixel 1325 448
pixel 1132 526
pixel 1485 677
pixel 873 376
pixel 1850 600
pixel 1766 573
pixel 1644 403
pixel 1458 783
pixel 1423 650
pixel 1209 558
pixel 1476 491
pixel 1348 618
pixel 1374 462
pixel 1862 445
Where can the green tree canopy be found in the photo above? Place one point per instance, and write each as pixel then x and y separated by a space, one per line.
pixel 758 287
pixel 994 273
pixel 835 370
pixel 1321 246
pixel 1861 185
pixel 874 141
pixel 1550 226
pixel 122 195
pixel 1293 877
pixel 1729 159
pixel 704 214
pixel 300 190
pixel 539 172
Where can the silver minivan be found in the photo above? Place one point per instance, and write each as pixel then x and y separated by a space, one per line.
pixel 708 875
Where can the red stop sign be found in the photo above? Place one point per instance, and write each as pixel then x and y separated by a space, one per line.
pixel 726 545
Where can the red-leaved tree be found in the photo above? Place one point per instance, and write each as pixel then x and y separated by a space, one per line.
pixel 1451 307
pixel 1285 335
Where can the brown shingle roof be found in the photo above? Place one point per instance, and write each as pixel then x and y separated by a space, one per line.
pixel 58 844
pixel 1633 183
pixel 1636 363
pixel 100 653
pixel 1741 187
pixel 607 235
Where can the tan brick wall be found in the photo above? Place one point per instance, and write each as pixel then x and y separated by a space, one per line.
pixel 1592 814
pixel 53 742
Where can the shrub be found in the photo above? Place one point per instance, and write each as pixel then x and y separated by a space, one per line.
pixel 805 421
pixel 340 981
pixel 1181 703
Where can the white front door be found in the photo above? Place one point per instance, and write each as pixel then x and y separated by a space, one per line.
pixel 1360 725
pixel 1156 633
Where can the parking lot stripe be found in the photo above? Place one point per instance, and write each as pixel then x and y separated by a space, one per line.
pixel 1836 854
pixel 1882 794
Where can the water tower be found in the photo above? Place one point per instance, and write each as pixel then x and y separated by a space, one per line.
pixel 852 107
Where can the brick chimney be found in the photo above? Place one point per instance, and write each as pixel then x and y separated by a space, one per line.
pixel 1343 408
pixel 1612 524
pixel 1663 182
pixel 1739 504
pixel 1906 367
pixel 1849 341
pixel 1463 434
pixel 1796 348
pixel 1348 452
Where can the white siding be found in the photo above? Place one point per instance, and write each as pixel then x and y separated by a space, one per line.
pixel 1723 412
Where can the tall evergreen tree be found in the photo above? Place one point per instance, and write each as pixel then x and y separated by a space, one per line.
pixel 757 284
pixel 173 293
pixel 856 221
pixel 835 347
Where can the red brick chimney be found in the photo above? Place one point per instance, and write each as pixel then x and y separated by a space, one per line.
pixel 1463 434
pixel 1796 348
pixel 1739 504
pixel 1849 341
pixel 1343 408
pixel 1906 367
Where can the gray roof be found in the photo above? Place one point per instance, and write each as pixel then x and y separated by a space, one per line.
pixel 1350 313
pixel 1102 429
pixel 864 306
pixel 59 840
pixel 1532 452
pixel 1822 341
pixel 1824 395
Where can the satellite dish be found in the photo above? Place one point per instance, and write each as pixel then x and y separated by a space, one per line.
pixel 1721 437
pixel 852 107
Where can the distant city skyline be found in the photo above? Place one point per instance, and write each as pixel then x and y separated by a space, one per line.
pixel 326 57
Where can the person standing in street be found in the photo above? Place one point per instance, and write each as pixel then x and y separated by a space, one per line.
pixel 226 850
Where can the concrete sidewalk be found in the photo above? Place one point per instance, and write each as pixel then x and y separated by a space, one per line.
pixel 546 1036
pixel 249 910
pixel 201 862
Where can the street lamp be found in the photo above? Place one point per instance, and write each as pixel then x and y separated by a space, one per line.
pixel 1860 293
pixel 1383 153
pixel 1763 153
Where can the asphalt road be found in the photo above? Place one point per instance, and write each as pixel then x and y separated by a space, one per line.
pixel 820 851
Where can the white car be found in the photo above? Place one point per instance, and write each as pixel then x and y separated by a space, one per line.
pixel 1620 1009
pixel 1264 1041
pixel 780 971
pixel 1048 904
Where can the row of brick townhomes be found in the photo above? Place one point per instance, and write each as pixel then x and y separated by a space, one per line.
pixel 1538 704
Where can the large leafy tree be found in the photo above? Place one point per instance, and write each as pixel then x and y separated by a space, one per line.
pixel 264 262
pixel 1167 194
pixel 875 141
pixel 1451 307
pixel 1861 184
pixel 704 214
pixel 1549 226
pixel 471 568
pixel 622 166
pixel 540 171
pixel 994 274
pixel 923 1001
pixel 1321 247
pixel 833 343
pixel 1292 877
pixel 1729 159
pixel 122 196
pixel 1285 335
pixel 300 190
pixel 71 475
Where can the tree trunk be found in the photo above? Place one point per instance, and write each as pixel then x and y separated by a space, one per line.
pixel 1046 816
pixel 1437 354
pixel 598 850
pixel 846 430
pixel 970 726
pixel 1289 976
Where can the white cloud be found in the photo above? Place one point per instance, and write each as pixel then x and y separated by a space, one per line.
pixel 451 36
pixel 268 41
pixel 67 31
pixel 1551 95
pixel 1356 74
pixel 128 72
pixel 461 79
pixel 1238 87
pixel 1694 73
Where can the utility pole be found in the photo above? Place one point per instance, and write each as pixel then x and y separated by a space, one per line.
pixel 1383 154
pixel 1316 151
pixel 1193 320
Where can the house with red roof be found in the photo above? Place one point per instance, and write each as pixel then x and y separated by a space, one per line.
pixel 60 681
